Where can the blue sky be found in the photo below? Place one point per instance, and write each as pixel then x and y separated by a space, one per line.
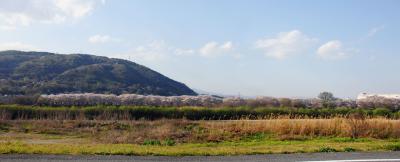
pixel 269 48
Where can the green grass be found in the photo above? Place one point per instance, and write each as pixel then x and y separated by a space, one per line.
pixel 16 112
pixel 266 146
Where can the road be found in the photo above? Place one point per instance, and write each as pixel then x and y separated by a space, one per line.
pixel 314 157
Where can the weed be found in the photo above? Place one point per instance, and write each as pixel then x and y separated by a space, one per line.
pixel 327 149
pixel 152 142
pixel 4 127
pixel 393 147
pixel 169 142
pixel 344 139
pixel 349 139
pixel 259 136
pixel 349 149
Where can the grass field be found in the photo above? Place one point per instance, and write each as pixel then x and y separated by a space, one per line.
pixel 186 137
pixel 223 148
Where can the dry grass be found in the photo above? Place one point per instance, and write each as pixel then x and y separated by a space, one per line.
pixel 239 148
pixel 380 128
pixel 184 137
pixel 184 131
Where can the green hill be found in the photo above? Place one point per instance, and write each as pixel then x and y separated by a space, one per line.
pixel 48 73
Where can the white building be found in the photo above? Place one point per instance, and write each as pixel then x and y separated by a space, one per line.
pixel 389 96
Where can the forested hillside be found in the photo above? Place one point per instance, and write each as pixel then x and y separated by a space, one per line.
pixel 23 73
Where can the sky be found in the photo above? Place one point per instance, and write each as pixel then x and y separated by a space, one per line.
pixel 253 48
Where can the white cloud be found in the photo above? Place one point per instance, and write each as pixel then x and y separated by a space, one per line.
pixel 372 58
pixel 15 13
pixel 159 50
pixel 17 46
pixel 212 49
pixel 6 27
pixel 227 46
pixel 285 44
pixel 375 30
pixel 153 51
pixel 102 39
pixel 184 52
pixel 334 50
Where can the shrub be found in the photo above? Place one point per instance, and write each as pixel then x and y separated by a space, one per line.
pixel 285 102
pixel 381 112
pixel 26 100
pixel 327 149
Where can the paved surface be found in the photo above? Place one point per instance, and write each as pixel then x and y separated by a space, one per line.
pixel 341 157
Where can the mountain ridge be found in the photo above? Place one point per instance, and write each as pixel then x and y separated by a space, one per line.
pixel 49 73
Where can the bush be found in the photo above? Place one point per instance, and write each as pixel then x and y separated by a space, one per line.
pixel 382 112
pixel 327 149
pixel 26 100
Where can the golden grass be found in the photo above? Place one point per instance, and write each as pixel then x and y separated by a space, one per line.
pixel 240 148
pixel 231 137
pixel 380 128
pixel 184 131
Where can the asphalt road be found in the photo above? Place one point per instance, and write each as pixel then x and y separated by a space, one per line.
pixel 327 157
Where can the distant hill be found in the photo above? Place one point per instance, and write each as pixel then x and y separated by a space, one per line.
pixel 49 73
pixel 203 92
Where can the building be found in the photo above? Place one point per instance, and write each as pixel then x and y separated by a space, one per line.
pixel 389 96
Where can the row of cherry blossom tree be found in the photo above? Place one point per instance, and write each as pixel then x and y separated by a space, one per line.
pixel 324 100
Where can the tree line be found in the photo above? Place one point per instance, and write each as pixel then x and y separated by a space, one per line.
pixel 324 100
